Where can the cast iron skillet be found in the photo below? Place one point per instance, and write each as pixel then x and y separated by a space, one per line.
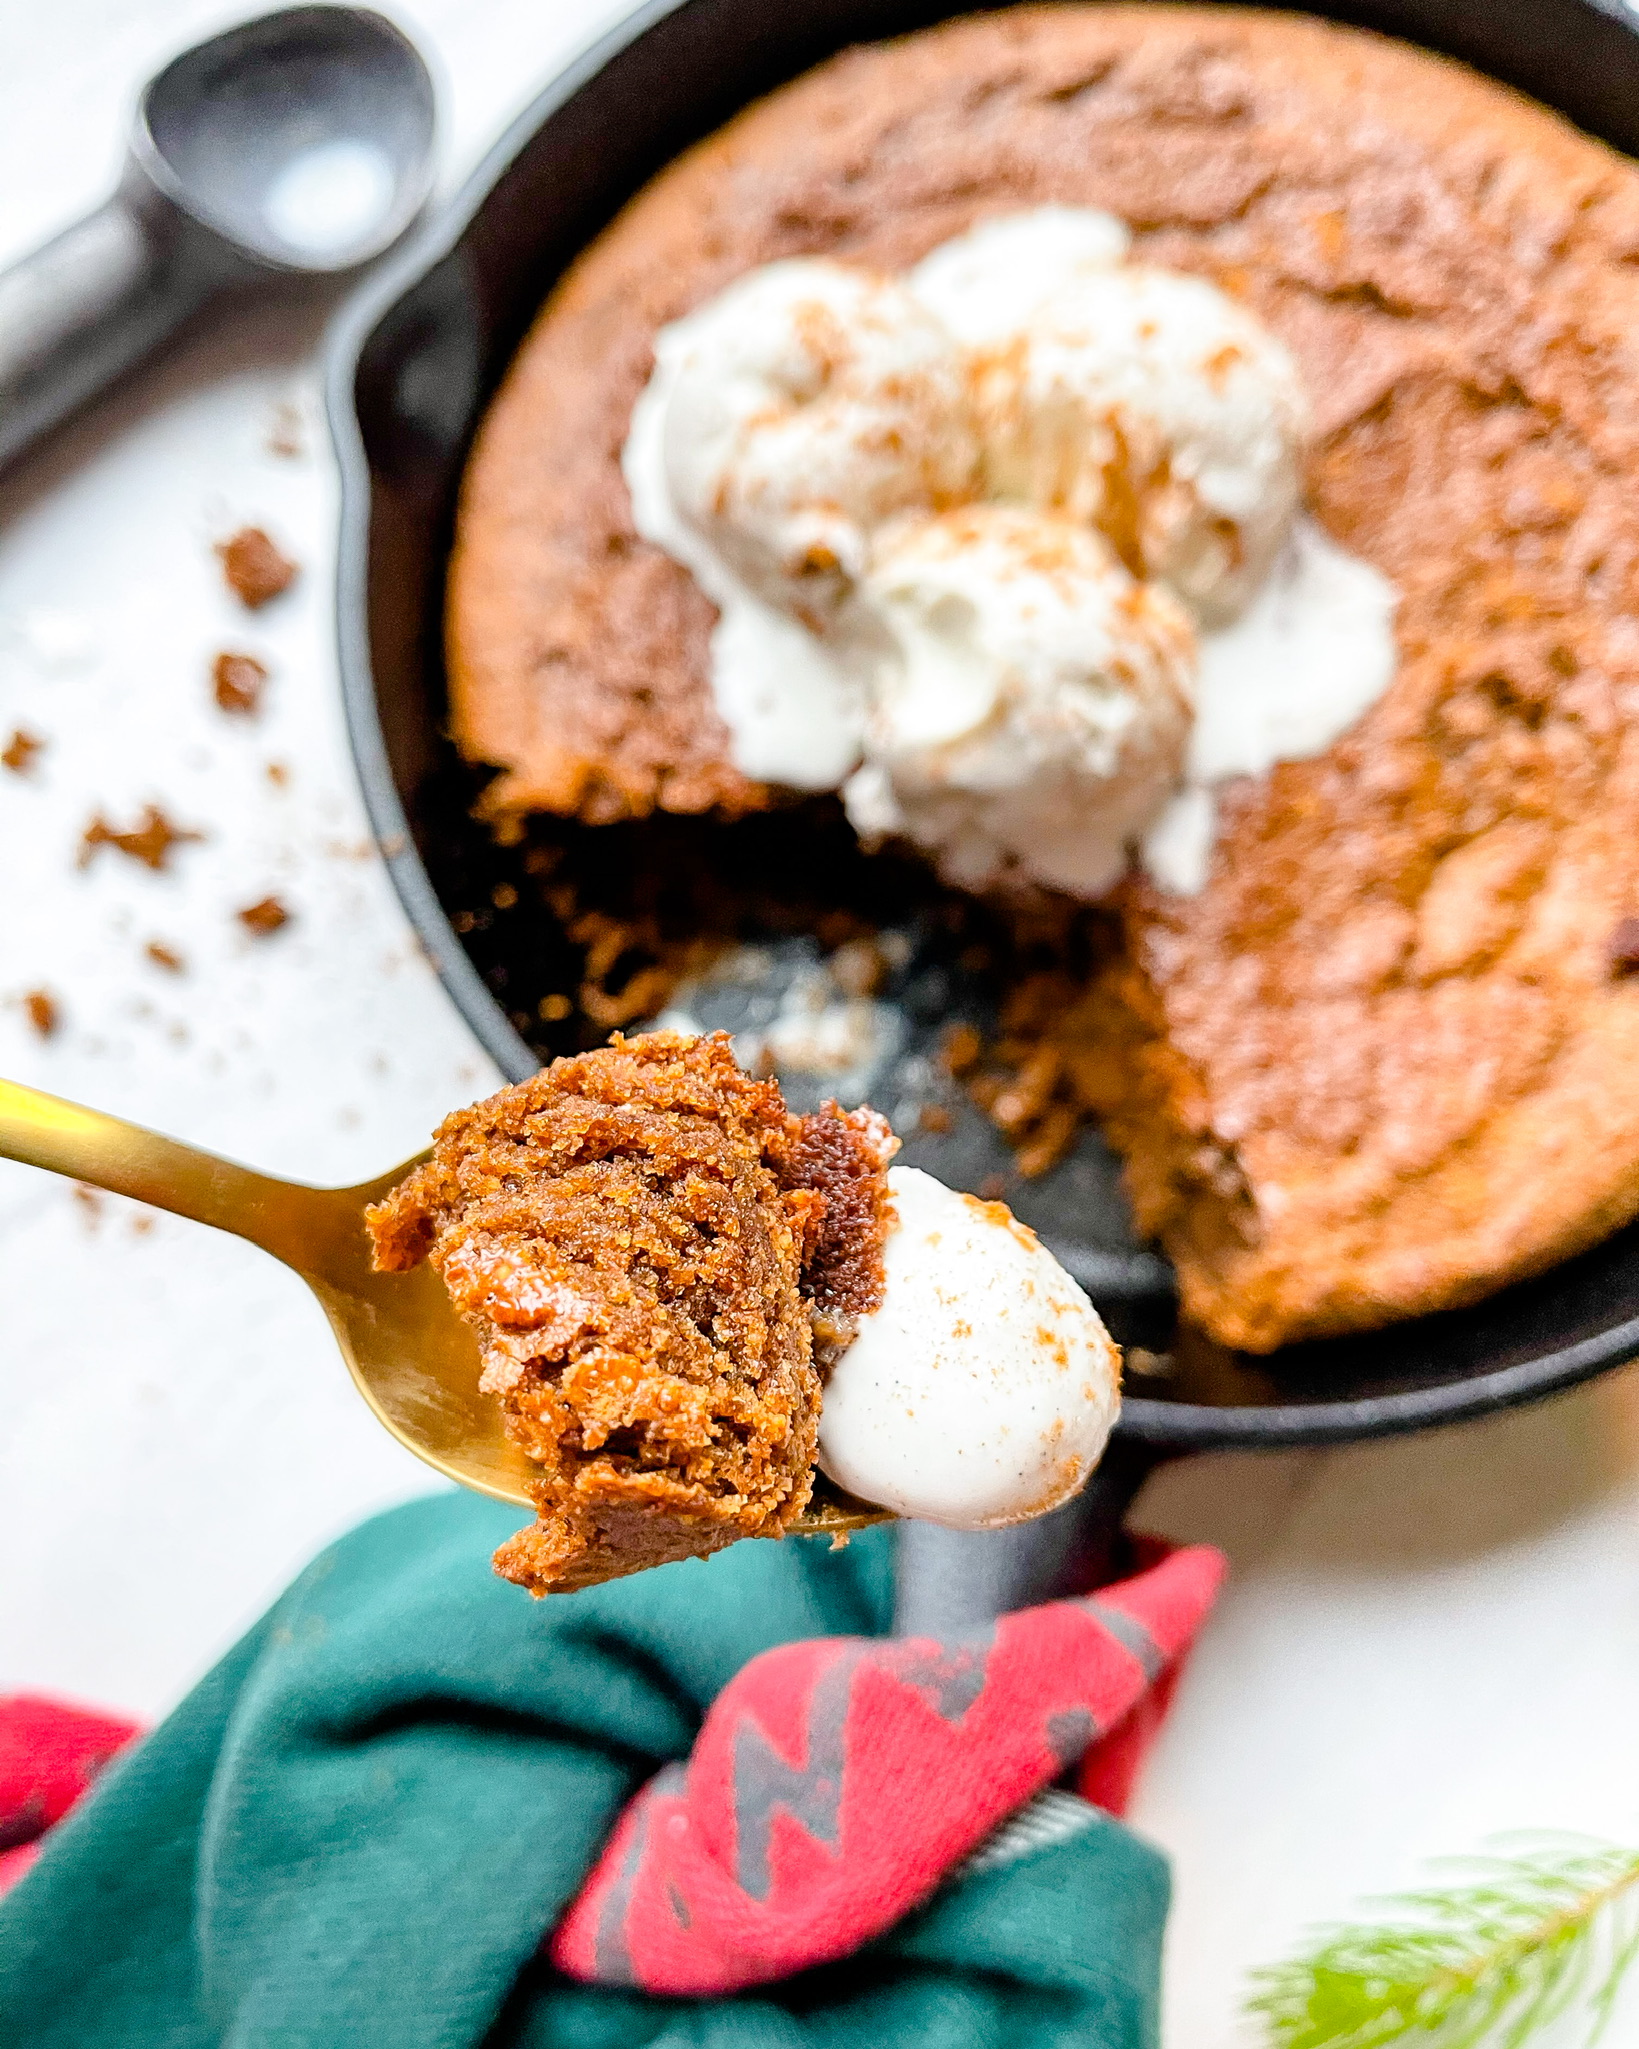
pixel 415 356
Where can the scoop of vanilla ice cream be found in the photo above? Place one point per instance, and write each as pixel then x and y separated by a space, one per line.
pixel 984 1389
pixel 1150 404
pixel 806 404
pixel 984 284
pixel 1030 702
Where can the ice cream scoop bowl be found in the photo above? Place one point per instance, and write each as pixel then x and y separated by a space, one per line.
pixel 297 146
pixel 411 1357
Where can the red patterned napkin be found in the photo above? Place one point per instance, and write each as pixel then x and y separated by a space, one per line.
pixel 834 1783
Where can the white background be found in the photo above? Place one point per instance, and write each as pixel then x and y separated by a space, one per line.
pixel 1423 1644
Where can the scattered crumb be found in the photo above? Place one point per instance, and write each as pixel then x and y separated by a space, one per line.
pixel 19 752
pixel 178 1034
pixel 165 957
pixel 554 1008
pixel 1622 949
pixel 256 571
pixel 859 967
pixel 44 1012
pixel 961 1049
pixel 240 681
pixel 141 1224
pixel 1039 1125
pixel 992 1187
pixel 934 1117
pixel 504 897
pixel 1052 1138
pixel 150 842
pixel 1150 1365
pixel 284 434
pixel 278 774
pixel 1023 1100
pixel 89 1201
pixel 264 918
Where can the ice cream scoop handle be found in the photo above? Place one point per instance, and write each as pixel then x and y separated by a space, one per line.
pixel 84 307
pixel 948 1583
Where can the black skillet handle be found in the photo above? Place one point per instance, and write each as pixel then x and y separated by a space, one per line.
pixel 87 305
pixel 951 1582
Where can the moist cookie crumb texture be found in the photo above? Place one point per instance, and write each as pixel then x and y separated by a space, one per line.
pixel 647 1243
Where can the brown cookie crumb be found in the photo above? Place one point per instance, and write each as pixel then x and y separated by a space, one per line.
pixel 960 1051
pixel 43 1011
pixel 149 842
pixel 240 681
pixel 859 967
pixel 255 569
pixel 19 752
pixel 264 918
pixel 1622 948
pixel 1052 1138
pixel 278 774
pixel 165 957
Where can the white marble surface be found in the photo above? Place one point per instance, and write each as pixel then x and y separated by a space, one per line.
pixel 1423 1644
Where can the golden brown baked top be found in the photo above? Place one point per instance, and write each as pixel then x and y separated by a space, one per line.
pixel 629 1232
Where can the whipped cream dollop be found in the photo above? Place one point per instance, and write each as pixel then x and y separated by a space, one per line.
pixel 830 452
pixel 808 403
pixel 1153 407
pixel 984 1389
pixel 784 420
pixel 1030 703
pixel 985 285
pixel 1313 650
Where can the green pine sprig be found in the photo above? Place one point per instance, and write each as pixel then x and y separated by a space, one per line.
pixel 1490 1961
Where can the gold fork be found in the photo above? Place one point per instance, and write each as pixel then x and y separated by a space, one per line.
pixel 411 1357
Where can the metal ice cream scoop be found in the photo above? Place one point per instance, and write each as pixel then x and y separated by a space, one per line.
pixel 298 145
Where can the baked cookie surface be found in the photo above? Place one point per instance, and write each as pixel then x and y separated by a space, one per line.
pixel 1385 1061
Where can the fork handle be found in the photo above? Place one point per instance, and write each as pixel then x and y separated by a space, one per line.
pixel 106 1152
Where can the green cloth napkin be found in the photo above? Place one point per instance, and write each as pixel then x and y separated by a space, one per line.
pixel 356 1831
